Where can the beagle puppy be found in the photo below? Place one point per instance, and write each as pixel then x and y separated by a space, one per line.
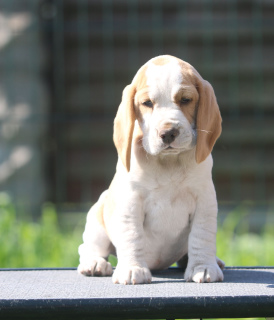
pixel 161 206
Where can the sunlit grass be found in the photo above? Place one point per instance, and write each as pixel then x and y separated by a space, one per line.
pixel 27 244
pixel 237 246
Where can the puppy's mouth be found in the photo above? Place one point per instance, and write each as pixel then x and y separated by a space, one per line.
pixel 170 149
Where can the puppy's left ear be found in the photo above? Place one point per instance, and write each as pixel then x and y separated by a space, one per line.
pixel 209 121
pixel 124 125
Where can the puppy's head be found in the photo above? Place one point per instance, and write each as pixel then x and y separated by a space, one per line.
pixel 175 107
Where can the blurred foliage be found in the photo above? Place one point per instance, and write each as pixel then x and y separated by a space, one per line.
pixel 237 246
pixel 28 244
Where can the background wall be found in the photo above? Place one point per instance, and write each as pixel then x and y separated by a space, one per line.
pixel 24 104
pixel 77 56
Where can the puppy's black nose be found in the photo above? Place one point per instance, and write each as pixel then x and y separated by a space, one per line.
pixel 169 136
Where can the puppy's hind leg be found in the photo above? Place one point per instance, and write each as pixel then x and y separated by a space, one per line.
pixel 97 245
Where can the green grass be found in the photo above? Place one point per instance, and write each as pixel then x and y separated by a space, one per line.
pixel 27 244
pixel 237 246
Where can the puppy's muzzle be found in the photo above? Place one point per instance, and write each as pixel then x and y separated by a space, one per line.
pixel 168 136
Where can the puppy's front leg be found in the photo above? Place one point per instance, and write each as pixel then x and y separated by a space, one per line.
pixel 202 264
pixel 127 235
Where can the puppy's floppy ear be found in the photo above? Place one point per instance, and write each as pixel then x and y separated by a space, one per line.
pixel 209 121
pixel 124 125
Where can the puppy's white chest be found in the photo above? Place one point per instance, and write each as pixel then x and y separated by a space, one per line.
pixel 168 211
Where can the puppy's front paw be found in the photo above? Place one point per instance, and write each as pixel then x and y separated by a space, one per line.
pixel 131 275
pixel 97 266
pixel 204 273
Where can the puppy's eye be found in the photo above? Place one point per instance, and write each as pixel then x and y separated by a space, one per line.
pixel 185 100
pixel 148 104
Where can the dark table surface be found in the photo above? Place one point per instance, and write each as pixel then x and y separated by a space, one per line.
pixel 64 294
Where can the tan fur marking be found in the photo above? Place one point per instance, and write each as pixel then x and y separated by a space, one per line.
pixel 209 121
pixel 188 109
pixel 140 81
pixel 142 94
pixel 190 113
pixel 140 109
pixel 124 125
pixel 162 60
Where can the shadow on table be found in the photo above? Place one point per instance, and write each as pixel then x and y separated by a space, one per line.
pixel 259 276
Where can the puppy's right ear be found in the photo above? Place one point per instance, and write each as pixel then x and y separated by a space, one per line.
pixel 124 125
pixel 209 120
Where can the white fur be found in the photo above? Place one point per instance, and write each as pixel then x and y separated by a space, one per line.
pixel 165 206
